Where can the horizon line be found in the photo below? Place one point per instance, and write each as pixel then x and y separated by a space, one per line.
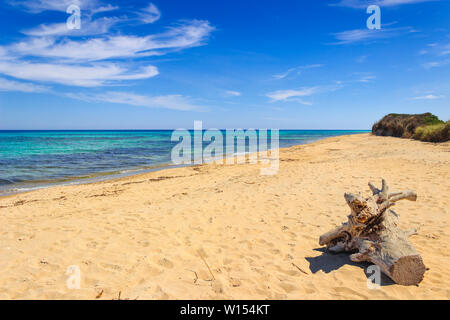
pixel 4 130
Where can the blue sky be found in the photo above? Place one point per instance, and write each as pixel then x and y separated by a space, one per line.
pixel 252 64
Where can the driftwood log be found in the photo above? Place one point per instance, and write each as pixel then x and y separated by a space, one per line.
pixel 372 233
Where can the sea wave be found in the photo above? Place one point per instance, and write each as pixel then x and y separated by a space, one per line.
pixel 5 182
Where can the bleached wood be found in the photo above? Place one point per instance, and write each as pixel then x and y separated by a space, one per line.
pixel 372 230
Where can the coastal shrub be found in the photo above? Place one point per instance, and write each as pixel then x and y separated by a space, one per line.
pixel 439 132
pixel 404 125
pixel 432 120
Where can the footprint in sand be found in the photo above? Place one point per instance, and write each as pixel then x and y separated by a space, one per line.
pixel 153 271
pixel 234 282
pixel 287 287
pixel 109 266
pixel 144 243
pixel 92 244
pixel 347 292
pixel 166 263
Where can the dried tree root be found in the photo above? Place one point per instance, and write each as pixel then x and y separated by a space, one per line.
pixel 372 232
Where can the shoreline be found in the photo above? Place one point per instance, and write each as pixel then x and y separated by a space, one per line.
pixel 145 235
pixel 113 175
pixel 94 178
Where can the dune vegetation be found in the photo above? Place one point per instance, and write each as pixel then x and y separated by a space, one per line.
pixel 423 127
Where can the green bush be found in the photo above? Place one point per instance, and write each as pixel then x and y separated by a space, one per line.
pixel 424 127
pixel 439 132
pixel 432 119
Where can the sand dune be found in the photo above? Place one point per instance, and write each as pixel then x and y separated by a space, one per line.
pixel 226 232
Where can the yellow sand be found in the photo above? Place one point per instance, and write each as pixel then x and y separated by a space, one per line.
pixel 153 236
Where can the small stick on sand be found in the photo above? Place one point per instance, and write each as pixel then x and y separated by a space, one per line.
pixel 99 294
pixel 196 276
pixel 207 265
pixel 299 268
pixel 119 298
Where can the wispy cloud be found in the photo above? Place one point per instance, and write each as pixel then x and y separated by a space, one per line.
pixel 174 102
pixel 436 49
pixel 150 14
pixel 366 78
pixel 185 35
pixel 359 4
pixel 364 35
pixel 51 53
pixel 232 93
pixel 102 9
pixel 361 59
pixel 436 64
pixel 90 27
pixel 297 95
pixel 75 75
pixel 37 6
pixel 428 97
pixel 283 75
pixel 296 71
pixel 293 95
pixel 10 85
pixel 443 49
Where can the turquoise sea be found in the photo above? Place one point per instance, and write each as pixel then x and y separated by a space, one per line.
pixel 34 159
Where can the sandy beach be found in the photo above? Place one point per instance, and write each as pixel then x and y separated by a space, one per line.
pixel 225 231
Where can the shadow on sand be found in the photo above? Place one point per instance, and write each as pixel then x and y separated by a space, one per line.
pixel 328 262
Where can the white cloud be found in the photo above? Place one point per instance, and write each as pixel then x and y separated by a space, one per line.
pixel 102 9
pixel 295 95
pixel 80 63
pixel 366 78
pixel 53 54
pixel 174 102
pixel 444 50
pixel 359 4
pixel 150 14
pixel 361 59
pixel 437 49
pixel 428 97
pixel 296 70
pixel 360 35
pixel 37 6
pixel 89 27
pixel 74 75
pixel 186 35
pixel 3 53
pixel 283 75
pixel 288 95
pixel 233 93
pixel 436 64
pixel 10 85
